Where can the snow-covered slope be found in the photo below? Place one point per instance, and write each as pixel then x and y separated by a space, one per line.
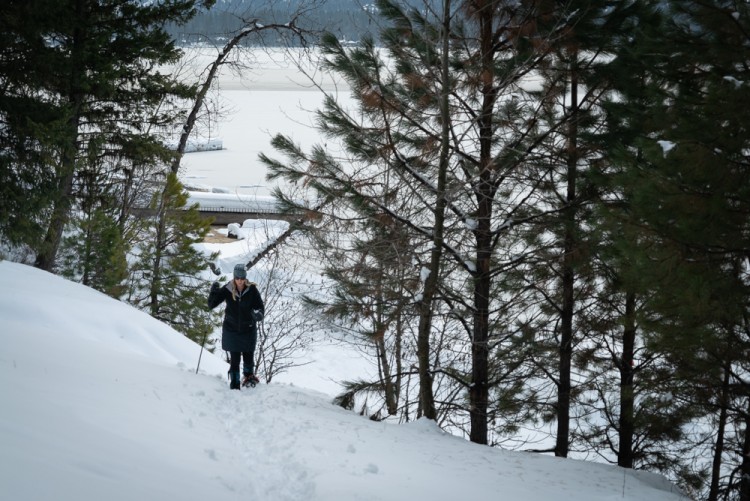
pixel 100 401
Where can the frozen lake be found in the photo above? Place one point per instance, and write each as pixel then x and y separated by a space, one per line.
pixel 271 96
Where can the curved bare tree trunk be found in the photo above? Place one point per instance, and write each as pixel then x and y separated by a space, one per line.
pixel 187 129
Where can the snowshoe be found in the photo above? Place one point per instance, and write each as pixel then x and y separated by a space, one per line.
pixel 250 380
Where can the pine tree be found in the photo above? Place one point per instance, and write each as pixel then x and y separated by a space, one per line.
pixel 682 178
pixel 178 297
pixel 96 253
pixel 372 292
pixel 376 144
pixel 558 273
pixel 443 119
pixel 82 99
pixel 28 125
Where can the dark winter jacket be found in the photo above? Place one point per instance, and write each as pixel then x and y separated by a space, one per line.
pixel 239 328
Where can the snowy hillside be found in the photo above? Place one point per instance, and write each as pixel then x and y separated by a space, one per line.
pixel 100 401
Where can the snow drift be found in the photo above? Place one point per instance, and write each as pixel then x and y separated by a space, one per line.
pixel 100 401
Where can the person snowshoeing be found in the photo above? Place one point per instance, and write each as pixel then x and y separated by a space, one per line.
pixel 239 333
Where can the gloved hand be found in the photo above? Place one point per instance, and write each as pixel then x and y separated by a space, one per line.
pixel 215 286
pixel 258 315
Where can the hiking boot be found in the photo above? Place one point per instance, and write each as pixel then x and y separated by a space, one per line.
pixel 234 380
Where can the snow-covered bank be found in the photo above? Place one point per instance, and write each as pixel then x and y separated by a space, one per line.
pixel 100 401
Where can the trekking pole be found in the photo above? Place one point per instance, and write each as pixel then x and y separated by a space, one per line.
pixel 201 354
pixel 263 336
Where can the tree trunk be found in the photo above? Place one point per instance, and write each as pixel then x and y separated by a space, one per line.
pixel 200 97
pixel 562 443
pixel 625 452
pixel 387 377
pixel 386 374
pixel 485 195
pixel 426 396
pixel 398 357
pixel 45 259
pixel 187 129
pixel 745 467
pixel 47 254
pixel 479 391
pixel 713 493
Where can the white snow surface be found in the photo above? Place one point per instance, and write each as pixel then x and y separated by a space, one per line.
pixel 666 147
pixel 233 201
pixel 101 401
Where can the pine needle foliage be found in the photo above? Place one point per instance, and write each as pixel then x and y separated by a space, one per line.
pixel 178 296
